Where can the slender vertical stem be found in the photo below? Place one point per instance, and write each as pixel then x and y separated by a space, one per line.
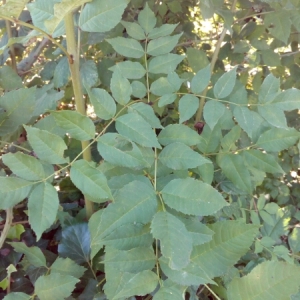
pixel 79 101
pixel 8 222
pixel 11 47
pixel 212 65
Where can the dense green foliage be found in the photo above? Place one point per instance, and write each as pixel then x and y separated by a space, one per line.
pixel 150 149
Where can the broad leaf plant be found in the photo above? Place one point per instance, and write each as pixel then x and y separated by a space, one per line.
pixel 150 149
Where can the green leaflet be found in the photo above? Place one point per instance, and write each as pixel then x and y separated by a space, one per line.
pixel 191 275
pixel 146 19
pixel 277 139
pixel 233 167
pixel 129 236
pixel 288 100
pixel 262 161
pixel 61 9
pixel 75 243
pixel 134 30
pixel 169 230
pixel 249 120
pixel 91 181
pixel 44 10
pixel 47 146
pixel 78 126
pixel 178 156
pixel 66 266
pixel 162 86
pixel 229 140
pixel 103 102
pixel 210 139
pixel 140 209
pixel 277 281
pixel 55 284
pixel 9 79
pixel 161 31
pixel 164 64
pixel 137 129
pixel 199 232
pixel 273 115
pixel 231 240
pixel 281 24
pixel 138 89
pixel 201 80
pixel 192 197
pixel 24 165
pixel 166 99
pixel 269 89
pixel 133 260
pixel 19 106
pixel 17 296
pixel 178 133
pixel 130 70
pixel 13 8
pixel 101 16
pixel 188 105
pixel 127 47
pixel 147 112
pixel 212 112
pixel 119 151
pixel 33 254
pixel 127 284
pixel 225 84
pixel 120 87
pixel 162 45
pixel 169 291
pixel 13 190
pixel 43 205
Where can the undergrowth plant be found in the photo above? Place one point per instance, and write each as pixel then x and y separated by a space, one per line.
pixel 171 167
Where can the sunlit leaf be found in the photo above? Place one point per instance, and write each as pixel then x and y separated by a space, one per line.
pixel 66 266
pixel 137 129
pixel 188 105
pixel 276 281
pixel 34 254
pixel 162 45
pixel 169 230
pixel 47 146
pixel 134 30
pixel 55 286
pixel 91 181
pixel 80 127
pixel 43 205
pixel 127 47
pixel 146 19
pixel 103 103
pixel 130 70
pixel 13 190
pixel 192 197
pixel 178 133
pixel 161 31
pixel 24 165
pixel 269 89
pixel 179 156
pixel 101 16
pixel 164 64
pixel 212 112
pixel 140 209
pixel 225 84
pixel 201 80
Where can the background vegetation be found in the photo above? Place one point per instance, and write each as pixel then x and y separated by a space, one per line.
pixel 150 149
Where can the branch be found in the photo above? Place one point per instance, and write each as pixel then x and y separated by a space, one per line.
pixel 25 65
pixel 212 65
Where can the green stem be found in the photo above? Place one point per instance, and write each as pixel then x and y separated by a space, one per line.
pixel 78 95
pixel 8 222
pixel 212 292
pixel 212 66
